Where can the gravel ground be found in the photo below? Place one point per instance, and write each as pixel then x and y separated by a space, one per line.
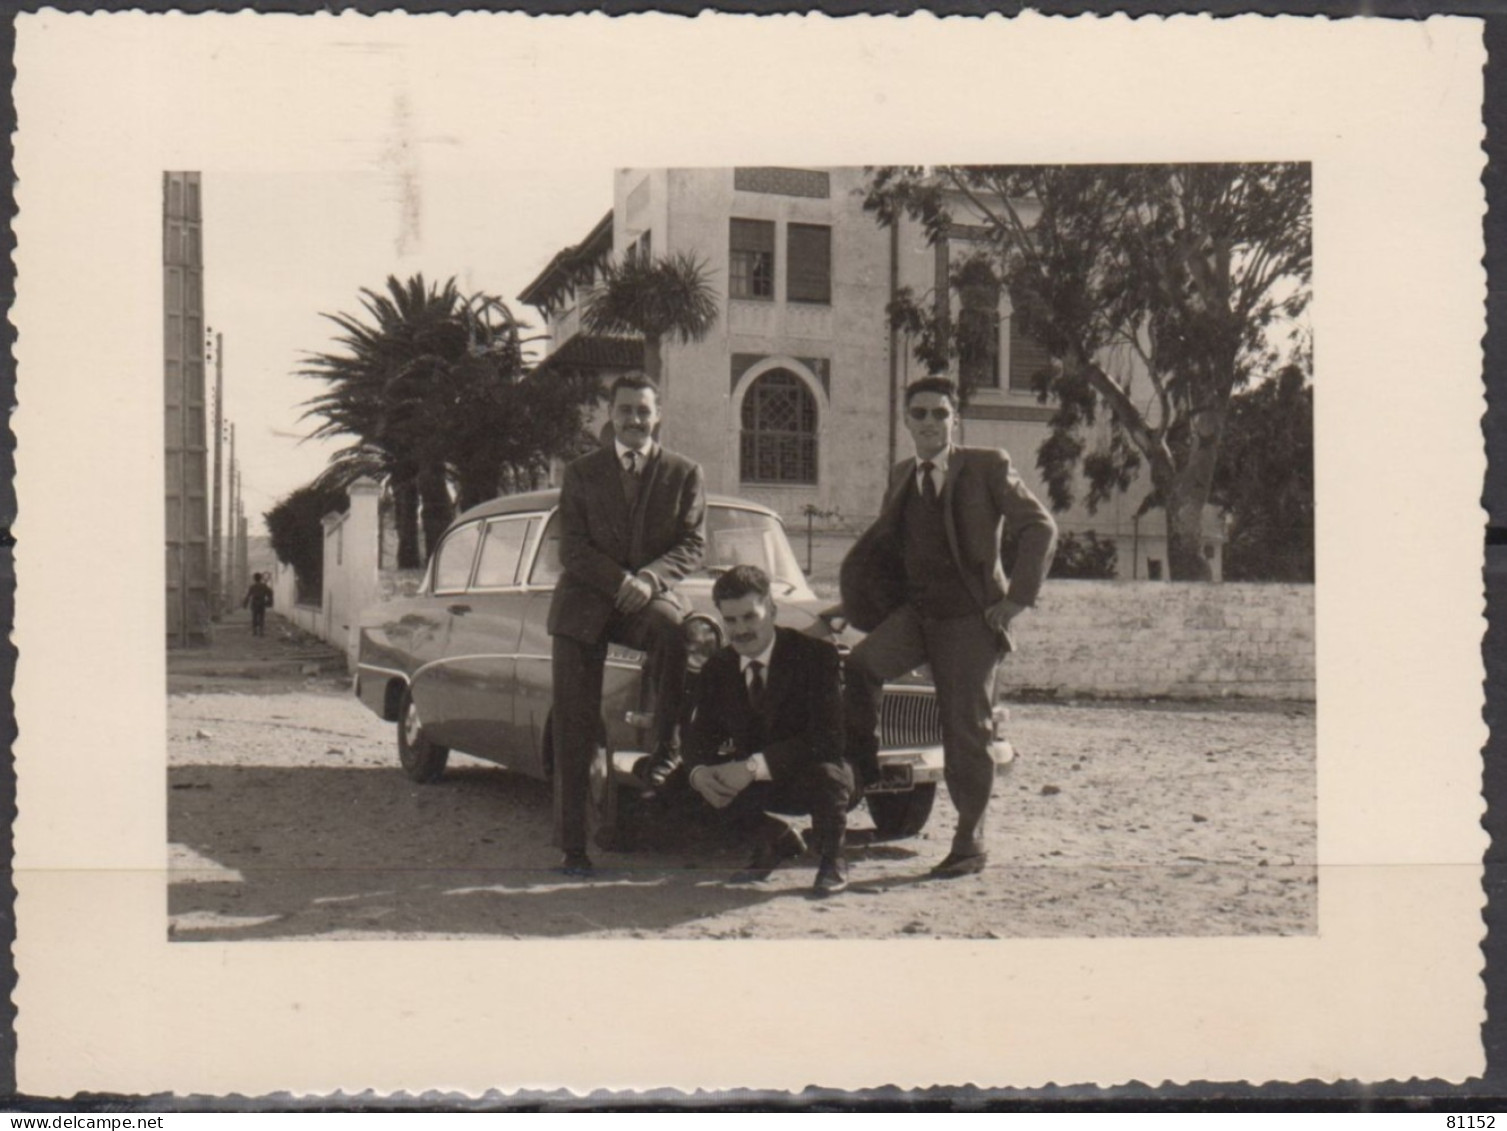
pixel 289 819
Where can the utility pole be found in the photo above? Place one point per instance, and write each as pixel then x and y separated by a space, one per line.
pixel 243 561
pixel 240 580
pixel 216 574
pixel 232 592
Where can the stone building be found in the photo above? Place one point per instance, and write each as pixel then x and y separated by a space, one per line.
pixel 184 437
pixel 794 398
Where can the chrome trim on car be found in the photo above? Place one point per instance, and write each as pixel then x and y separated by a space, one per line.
pixel 361 664
pixel 459 659
pixel 476 656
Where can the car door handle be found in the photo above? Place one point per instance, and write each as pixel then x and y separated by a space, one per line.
pixel 459 610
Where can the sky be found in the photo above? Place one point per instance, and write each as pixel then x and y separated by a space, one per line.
pixel 281 248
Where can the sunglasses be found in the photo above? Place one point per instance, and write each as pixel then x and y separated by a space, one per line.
pixel 938 414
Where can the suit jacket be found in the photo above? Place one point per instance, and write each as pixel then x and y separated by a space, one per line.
pixel 602 541
pixel 799 719
pixel 982 494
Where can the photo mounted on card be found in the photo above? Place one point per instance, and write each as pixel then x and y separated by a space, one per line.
pixel 900 524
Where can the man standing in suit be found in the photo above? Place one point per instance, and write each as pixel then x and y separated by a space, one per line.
pixel 927 584
pixel 767 735
pixel 631 518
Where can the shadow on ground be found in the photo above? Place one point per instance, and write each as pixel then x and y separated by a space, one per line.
pixel 264 853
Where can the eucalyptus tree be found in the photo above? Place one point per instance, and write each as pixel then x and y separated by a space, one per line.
pixel 1159 291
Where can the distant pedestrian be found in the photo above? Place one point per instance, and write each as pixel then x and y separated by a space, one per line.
pixel 259 600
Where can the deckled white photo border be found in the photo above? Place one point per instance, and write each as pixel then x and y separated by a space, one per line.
pixel 1389 114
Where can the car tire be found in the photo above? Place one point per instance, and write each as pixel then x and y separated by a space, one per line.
pixel 607 805
pixel 897 815
pixel 422 760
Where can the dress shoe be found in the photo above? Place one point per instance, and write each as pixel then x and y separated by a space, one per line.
pixel 577 866
pixel 956 864
pixel 659 768
pixel 831 876
pixel 770 853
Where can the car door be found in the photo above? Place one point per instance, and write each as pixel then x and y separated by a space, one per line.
pixel 432 683
pixel 482 656
pixel 622 676
pixel 533 682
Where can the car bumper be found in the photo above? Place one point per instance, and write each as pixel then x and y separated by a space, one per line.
pixel 899 770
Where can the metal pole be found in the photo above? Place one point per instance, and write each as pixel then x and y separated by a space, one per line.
pixel 216 577
pixel 240 580
pixel 233 594
pixel 242 561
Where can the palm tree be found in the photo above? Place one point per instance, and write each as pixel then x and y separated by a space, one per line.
pixel 658 297
pixel 436 393
pixel 413 328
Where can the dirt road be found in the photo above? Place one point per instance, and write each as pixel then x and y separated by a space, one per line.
pixel 289 819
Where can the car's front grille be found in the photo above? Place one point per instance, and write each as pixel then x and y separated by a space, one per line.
pixel 909 718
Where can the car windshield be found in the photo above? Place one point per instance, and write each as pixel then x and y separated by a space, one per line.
pixel 741 537
pixel 733 537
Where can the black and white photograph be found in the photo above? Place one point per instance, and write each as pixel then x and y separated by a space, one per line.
pixel 977 552
pixel 1047 430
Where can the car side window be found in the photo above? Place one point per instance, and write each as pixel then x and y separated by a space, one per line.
pixel 547 569
pixel 452 568
pixel 501 553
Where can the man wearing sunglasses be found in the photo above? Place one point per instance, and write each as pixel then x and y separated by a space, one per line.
pixel 926 583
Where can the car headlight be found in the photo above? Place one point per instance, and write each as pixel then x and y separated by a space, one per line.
pixel 703 636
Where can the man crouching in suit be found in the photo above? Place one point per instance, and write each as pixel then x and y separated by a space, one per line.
pixel 767 734
pixel 927 584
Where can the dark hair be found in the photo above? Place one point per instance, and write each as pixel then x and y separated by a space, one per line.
pixel 942 385
pixel 634 379
pixel 741 581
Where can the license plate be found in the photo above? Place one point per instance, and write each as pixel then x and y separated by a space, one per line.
pixel 893 777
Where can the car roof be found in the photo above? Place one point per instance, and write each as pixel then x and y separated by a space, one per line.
pixel 530 502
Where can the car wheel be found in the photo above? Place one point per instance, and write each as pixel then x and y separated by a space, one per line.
pixel 902 814
pixel 423 761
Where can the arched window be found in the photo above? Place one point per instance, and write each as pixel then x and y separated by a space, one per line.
pixel 779 430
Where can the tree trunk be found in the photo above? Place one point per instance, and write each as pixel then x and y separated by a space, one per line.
pixel 1185 557
pixel 654 363
pixel 405 517
pixel 476 486
pixel 438 510
pixel 1186 499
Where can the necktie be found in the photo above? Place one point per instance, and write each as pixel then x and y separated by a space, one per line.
pixel 928 484
pixel 630 478
pixel 755 682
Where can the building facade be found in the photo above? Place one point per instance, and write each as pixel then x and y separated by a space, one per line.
pixel 184 436
pixel 795 397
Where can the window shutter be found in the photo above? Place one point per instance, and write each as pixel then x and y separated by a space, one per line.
pixel 753 235
pixel 809 263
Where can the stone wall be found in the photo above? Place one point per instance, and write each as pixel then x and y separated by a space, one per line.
pixel 1125 639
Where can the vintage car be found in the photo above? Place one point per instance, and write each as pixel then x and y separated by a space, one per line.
pixel 464 663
